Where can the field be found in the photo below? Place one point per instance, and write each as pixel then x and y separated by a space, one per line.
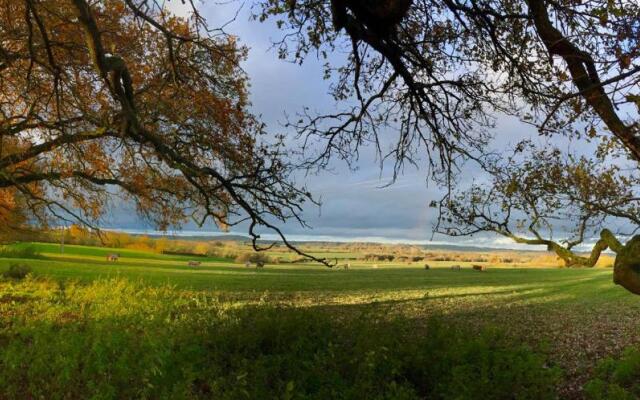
pixel 150 326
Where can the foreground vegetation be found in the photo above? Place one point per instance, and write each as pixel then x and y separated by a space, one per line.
pixel 114 339
pixel 151 326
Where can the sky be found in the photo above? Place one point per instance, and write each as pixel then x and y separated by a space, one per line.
pixel 355 205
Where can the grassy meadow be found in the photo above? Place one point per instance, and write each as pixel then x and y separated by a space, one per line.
pixel 151 326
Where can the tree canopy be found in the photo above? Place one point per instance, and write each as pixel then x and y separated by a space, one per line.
pixel 442 74
pixel 121 98
pixel 541 196
pixel 439 77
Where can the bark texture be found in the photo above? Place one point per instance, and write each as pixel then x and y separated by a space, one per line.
pixel 626 269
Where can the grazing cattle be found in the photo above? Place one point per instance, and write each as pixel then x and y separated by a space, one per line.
pixel 247 264
pixel 260 264
pixel 426 266
pixel 194 263
pixel 113 257
pixel 455 267
pixel 479 268
pixel 346 266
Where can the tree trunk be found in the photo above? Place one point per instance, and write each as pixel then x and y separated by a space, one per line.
pixel 626 269
pixel 572 260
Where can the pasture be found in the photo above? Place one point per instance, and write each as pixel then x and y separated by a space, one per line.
pixel 226 328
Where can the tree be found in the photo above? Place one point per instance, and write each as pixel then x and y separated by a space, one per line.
pixel 444 69
pixel 15 209
pixel 13 214
pixel 121 98
pixel 531 194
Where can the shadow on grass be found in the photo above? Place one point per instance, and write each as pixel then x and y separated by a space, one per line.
pixel 115 340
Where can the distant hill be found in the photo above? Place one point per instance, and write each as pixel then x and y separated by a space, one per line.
pixel 454 247
pixel 220 238
pixel 234 237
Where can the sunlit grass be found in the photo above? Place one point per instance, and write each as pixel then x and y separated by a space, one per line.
pixel 557 310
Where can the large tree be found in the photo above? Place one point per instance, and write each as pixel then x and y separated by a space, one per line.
pixel 122 98
pixel 438 73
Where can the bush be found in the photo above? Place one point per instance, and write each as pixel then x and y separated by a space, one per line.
pixel 214 253
pixel 616 379
pixel 17 271
pixel 253 258
pixel 231 255
pixel 182 253
pixel 379 257
pixel 19 252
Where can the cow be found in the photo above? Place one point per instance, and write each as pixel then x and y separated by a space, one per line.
pixel 479 268
pixel 247 264
pixel 113 257
pixel 346 266
pixel 426 266
pixel 260 264
pixel 455 267
pixel 194 263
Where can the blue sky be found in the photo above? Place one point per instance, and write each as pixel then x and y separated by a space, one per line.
pixel 354 203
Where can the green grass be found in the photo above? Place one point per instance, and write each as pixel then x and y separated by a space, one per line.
pixel 227 276
pixel 570 317
pixel 360 284
pixel 56 250
pixel 115 339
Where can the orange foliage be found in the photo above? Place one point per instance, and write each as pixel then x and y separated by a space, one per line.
pixel 156 114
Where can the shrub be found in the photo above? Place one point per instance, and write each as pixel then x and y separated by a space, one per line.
pixel 214 253
pixel 182 253
pixel 616 379
pixel 254 258
pixel 231 255
pixel 17 271
pixel 379 257
pixel 19 252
